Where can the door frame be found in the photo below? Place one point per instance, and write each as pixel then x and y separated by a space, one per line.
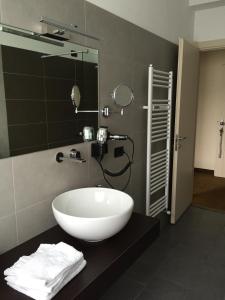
pixel 210 45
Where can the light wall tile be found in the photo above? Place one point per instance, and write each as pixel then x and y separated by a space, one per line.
pixel 38 177
pixel 35 219
pixel 7 206
pixel 8 233
pixel 97 181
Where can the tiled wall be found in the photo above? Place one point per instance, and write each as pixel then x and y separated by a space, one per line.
pixel 40 112
pixel 29 183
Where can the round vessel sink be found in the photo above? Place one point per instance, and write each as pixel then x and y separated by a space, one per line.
pixel 92 214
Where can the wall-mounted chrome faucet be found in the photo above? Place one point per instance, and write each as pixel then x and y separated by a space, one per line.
pixel 74 156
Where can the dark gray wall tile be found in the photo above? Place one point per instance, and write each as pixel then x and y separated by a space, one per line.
pixel 61 131
pixel 58 89
pixel 113 71
pixel 74 140
pixel 89 96
pixel 115 34
pixel 21 61
pixel 59 67
pixel 22 112
pixel 24 136
pixel 23 87
pixel 59 111
pixel 27 150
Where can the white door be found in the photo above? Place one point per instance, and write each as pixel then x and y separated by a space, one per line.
pixel 185 126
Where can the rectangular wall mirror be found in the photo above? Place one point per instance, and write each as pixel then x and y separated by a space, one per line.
pixel 37 75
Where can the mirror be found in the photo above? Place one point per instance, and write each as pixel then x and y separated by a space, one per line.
pixel 75 96
pixel 39 77
pixel 123 95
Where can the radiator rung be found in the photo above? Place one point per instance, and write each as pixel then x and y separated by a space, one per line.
pixel 159 156
pixel 164 174
pixel 158 189
pixel 157 203
pixel 158 153
pixel 161 86
pixel 158 183
pixel 160 100
pixel 160 163
pixel 159 160
pixel 155 71
pixel 159 127
pixel 154 172
pixel 159 140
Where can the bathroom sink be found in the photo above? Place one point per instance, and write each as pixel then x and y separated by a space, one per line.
pixel 92 214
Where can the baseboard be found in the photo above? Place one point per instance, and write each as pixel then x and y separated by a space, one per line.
pixel 206 171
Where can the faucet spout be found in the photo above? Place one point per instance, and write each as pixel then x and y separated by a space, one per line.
pixel 74 156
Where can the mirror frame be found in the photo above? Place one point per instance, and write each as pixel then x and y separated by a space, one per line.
pixel 115 91
pixel 27 40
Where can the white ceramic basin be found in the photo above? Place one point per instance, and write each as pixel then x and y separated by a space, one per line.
pixel 92 214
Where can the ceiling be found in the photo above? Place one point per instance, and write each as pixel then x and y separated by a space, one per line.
pixel 205 4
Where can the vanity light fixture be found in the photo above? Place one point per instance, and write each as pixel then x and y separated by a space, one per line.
pixel 73 53
pixel 65 27
pixel 29 34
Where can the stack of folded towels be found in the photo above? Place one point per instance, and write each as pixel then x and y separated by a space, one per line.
pixel 45 272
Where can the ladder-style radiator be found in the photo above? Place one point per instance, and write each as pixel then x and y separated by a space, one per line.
pixel 158 141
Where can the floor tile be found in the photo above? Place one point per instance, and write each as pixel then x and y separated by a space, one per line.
pixel 124 288
pixel 186 262
pixel 159 289
pixel 205 294
pixel 191 270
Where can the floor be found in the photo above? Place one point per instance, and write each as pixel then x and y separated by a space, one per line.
pixel 209 191
pixel 186 262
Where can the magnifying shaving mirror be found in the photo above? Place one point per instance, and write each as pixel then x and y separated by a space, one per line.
pixel 123 95
pixel 75 96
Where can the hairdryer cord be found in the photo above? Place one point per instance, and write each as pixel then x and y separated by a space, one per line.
pixel 129 177
pixel 121 172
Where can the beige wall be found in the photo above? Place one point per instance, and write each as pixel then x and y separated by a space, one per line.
pixel 211 108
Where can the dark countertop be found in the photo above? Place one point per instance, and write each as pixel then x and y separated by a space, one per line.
pixel 105 260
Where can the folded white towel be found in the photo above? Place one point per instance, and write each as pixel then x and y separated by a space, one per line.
pixel 46 263
pixel 39 295
pixel 37 284
pixel 42 274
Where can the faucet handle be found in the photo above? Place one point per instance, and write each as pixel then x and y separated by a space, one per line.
pixel 99 186
pixel 75 154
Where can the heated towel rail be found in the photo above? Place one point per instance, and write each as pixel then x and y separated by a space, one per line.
pixel 158 142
